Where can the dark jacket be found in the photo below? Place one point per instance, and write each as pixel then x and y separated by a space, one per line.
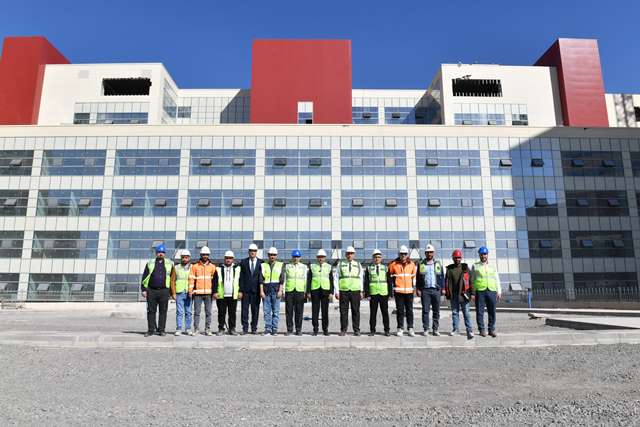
pixel 158 277
pixel 457 285
pixel 250 283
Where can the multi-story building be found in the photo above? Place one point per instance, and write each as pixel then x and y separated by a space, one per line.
pixel 101 162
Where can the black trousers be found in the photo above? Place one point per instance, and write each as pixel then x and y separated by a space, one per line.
pixel 227 304
pixel 381 301
pixel 320 299
pixel 404 307
pixel 349 298
pixel 157 299
pixel 294 304
pixel 430 299
pixel 250 300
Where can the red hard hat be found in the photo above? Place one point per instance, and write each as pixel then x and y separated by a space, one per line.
pixel 456 254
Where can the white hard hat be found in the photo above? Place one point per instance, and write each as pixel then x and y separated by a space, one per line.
pixel 253 247
pixel 350 249
pixel 376 252
pixel 403 250
pixel 205 250
pixel 429 248
pixel 321 252
pixel 185 252
pixel 272 251
pixel 229 254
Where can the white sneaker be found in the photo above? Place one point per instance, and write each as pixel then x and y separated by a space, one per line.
pixel 400 332
pixel 190 333
pixel 178 333
pixel 435 333
pixel 411 332
pixel 453 333
pixel 208 333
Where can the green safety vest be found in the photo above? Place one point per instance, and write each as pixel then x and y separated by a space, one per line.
pixel 271 275
pixel 484 277
pixel 437 267
pixel 182 278
pixel 349 280
pixel 236 282
pixel 320 276
pixel 378 281
pixel 151 265
pixel 296 278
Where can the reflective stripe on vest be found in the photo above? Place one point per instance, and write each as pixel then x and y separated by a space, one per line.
pixel 182 278
pixel 269 275
pixel 296 278
pixel 236 282
pixel 320 276
pixel 378 281
pixel 349 280
pixel 437 268
pixel 484 277
pixel 151 265
pixel 403 276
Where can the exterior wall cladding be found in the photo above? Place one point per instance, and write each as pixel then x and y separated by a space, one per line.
pixel 81 206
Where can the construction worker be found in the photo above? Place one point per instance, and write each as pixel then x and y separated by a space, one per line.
pixel 402 274
pixel 226 285
pixel 156 283
pixel 377 288
pixel 201 279
pixel 271 283
pixel 429 287
pixel 485 284
pixel 457 290
pixel 349 275
pixel 180 293
pixel 249 294
pixel 295 287
pixel 320 287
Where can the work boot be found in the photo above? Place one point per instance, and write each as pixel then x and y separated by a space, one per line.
pixel 411 332
pixel 387 333
pixel 233 332
pixel 314 333
pixel 425 333
pixel 372 333
pixel 162 334
pixel 483 333
pixel 342 333
pixel 493 334
pixel 220 332
pixel 299 333
pixel 400 332
pixel 148 334
pixel 274 333
pixel 356 333
pixel 325 333
pixel 435 333
pixel 469 335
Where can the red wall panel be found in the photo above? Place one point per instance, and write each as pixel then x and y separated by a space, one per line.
pixel 287 71
pixel 21 74
pixel 580 81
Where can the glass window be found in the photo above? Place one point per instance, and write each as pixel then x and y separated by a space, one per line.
pixel 446 241
pixel 122 287
pixel 448 162
pixel 298 162
pixel 61 287
pixel 364 242
pixel 308 242
pixel 606 286
pixel 11 244
pixel 221 203
pixel 597 203
pixel 548 286
pixel 147 162
pixel 450 203
pixel 73 162
pixel 65 244
pixel 598 244
pixel 373 162
pixel 16 162
pixel 144 203
pixel 9 286
pixel 13 202
pixel 69 203
pixel 223 162
pixel 544 244
pixel 297 203
pixel 364 115
pixel 374 203
pixel 218 242
pixel 139 244
pixel 399 115
pixel 592 163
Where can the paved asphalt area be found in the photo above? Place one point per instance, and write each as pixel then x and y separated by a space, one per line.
pixel 560 385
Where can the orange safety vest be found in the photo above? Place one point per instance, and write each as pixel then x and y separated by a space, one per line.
pixel 403 276
pixel 201 278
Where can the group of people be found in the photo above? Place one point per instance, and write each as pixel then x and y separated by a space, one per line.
pixel 253 280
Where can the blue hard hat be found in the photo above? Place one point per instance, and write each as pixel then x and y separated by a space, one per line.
pixel 296 253
pixel 161 248
pixel 483 250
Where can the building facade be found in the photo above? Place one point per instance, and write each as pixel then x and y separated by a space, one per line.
pixel 113 159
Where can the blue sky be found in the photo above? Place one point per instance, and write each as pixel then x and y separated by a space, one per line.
pixel 395 44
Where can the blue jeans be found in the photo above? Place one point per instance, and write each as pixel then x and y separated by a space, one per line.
pixel 488 299
pixel 271 308
pixel 183 310
pixel 458 304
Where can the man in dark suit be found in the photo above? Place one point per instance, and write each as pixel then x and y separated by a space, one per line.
pixel 250 272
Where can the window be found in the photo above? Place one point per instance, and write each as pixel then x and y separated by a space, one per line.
pixel 592 163
pixel 600 203
pixel 537 163
pixel 598 244
pixel 73 162
pixel 134 86
pixel 373 162
pixel 364 115
pixel 305 113
pixel 544 244
pixel 61 287
pixel 636 110
pixel 476 87
pixel 308 242
pixel 65 244
pixel 13 202
pixel 288 162
pixel 81 118
pixel 447 162
pixel 216 203
pixel 446 241
pixel 223 162
pixel 139 244
pixel 606 286
pixel 121 118
pixel 122 287
pixel 184 112
pixel 218 241
pixel 11 244
pixel 450 203
pixel 9 286
pixel 147 162
pixel 144 203
pixel 69 203
pixel 297 203
pixel 374 203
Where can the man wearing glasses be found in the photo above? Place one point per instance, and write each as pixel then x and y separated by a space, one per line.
pixel 457 290
pixel 250 274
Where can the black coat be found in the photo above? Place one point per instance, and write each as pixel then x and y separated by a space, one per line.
pixel 250 283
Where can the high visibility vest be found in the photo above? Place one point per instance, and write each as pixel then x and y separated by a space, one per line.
pixel 182 278
pixel 349 280
pixel 403 276
pixel 378 281
pixel 320 276
pixel 270 275
pixel 296 278
pixel 437 270
pixel 151 265
pixel 236 282
pixel 484 277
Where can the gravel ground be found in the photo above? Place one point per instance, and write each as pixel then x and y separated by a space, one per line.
pixel 544 386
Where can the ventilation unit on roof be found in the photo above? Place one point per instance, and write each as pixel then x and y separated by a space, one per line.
pixel 132 86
